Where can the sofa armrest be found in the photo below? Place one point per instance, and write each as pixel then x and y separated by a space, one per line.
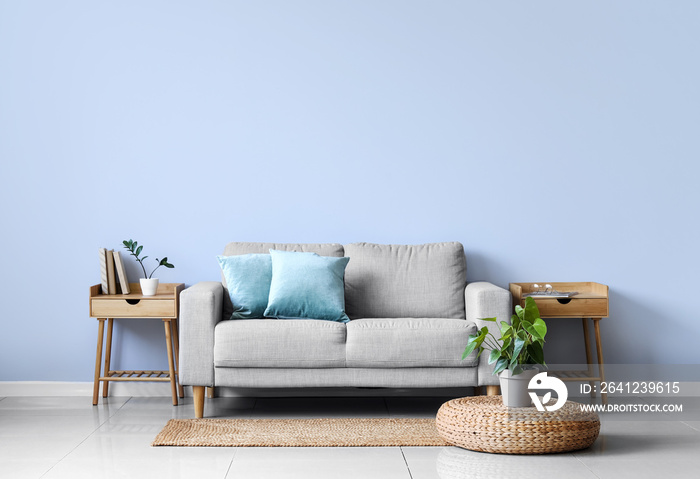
pixel 201 307
pixel 486 300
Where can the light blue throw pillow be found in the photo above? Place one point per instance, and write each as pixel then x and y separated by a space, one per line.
pixel 307 286
pixel 248 278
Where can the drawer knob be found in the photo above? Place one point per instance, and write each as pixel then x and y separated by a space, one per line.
pixel 564 300
pixel 133 301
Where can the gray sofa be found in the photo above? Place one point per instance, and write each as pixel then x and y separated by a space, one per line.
pixel 411 313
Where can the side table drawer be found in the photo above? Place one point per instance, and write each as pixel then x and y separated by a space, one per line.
pixel 582 307
pixel 122 308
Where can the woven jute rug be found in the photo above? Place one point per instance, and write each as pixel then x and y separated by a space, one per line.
pixel 351 432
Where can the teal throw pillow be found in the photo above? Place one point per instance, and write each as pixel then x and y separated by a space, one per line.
pixel 307 286
pixel 248 279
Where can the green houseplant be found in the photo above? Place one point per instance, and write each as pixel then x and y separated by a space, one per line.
pixel 149 285
pixel 516 354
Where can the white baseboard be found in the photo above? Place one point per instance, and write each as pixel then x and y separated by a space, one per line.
pixel 689 389
pixel 58 388
pixel 147 389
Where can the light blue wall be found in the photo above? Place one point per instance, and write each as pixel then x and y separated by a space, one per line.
pixel 557 141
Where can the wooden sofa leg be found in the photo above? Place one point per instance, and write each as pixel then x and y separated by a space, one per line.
pixel 198 393
pixel 493 390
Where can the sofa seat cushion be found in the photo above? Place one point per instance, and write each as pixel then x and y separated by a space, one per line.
pixel 408 343
pixel 405 281
pixel 273 343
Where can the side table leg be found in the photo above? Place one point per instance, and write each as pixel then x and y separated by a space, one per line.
pixel 98 360
pixel 171 363
pixel 176 344
pixel 589 361
pixel 599 348
pixel 108 356
pixel 493 390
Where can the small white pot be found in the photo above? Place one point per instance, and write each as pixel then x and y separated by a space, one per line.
pixel 149 286
pixel 514 388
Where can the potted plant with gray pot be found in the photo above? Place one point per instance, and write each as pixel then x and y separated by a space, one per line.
pixel 516 354
pixel 149 284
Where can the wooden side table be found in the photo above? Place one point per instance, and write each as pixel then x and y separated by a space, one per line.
pixel 590 302
pixel 164 305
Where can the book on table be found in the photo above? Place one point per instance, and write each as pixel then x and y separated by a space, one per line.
pixel 111 268
pixel 553 294
pixel 121 273
pixel 103 271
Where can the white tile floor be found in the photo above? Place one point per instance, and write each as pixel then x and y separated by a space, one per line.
pixel 67 437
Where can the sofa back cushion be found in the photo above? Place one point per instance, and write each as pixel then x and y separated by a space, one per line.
pixel 238 248
pixel 405 281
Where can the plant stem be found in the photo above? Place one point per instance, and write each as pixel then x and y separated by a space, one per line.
pixel 143 268
pixel 491 343
pixel 151 275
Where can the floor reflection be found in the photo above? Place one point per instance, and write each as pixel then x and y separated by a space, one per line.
pixel 458 463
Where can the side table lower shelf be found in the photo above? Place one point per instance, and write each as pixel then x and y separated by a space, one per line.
pixel 588 375
pixel 109 375
pixel 137 376
pixel 575 375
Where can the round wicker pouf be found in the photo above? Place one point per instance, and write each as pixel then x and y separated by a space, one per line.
pixel 483 423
